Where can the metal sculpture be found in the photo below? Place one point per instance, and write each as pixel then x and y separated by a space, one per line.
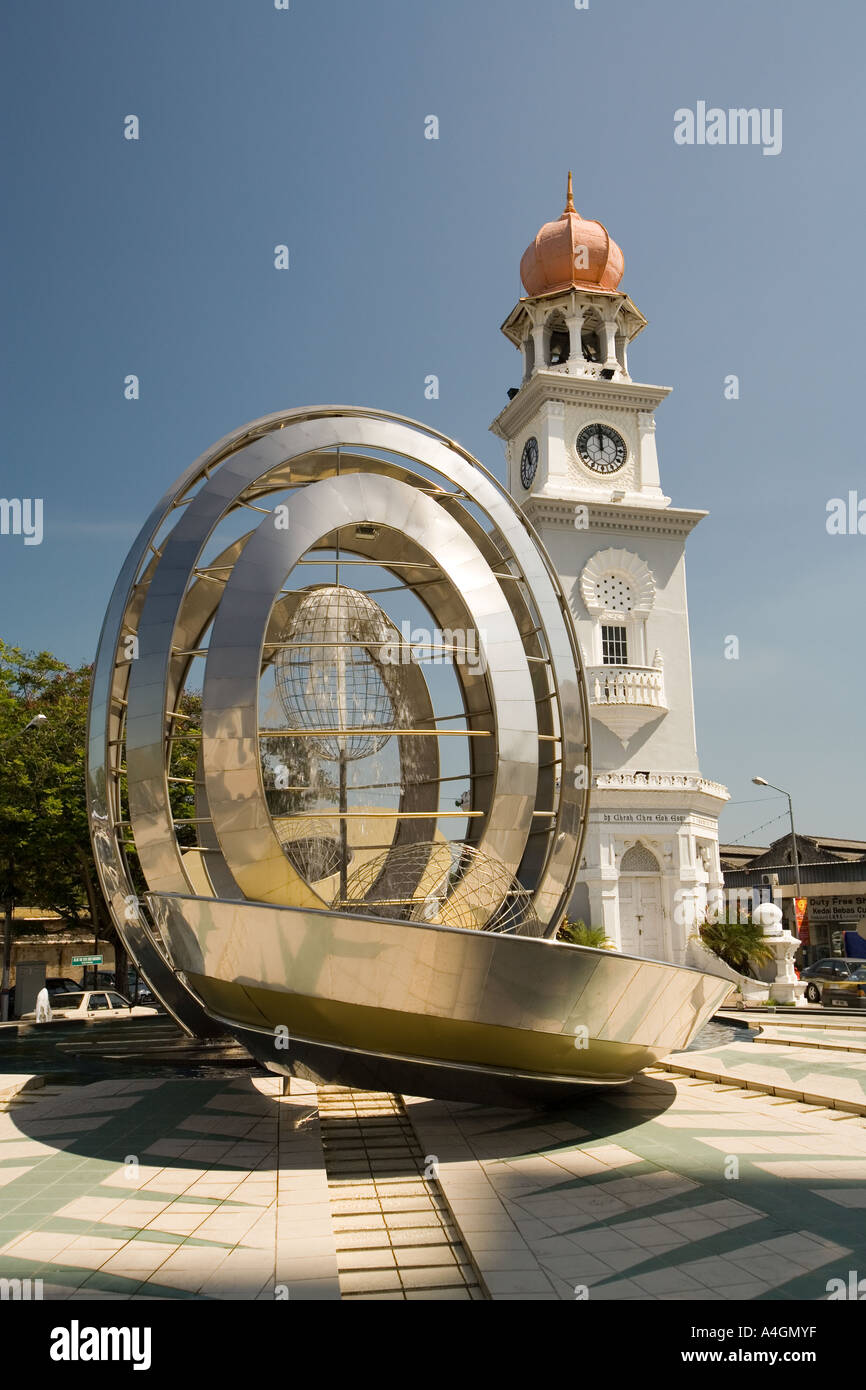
pixel 338 580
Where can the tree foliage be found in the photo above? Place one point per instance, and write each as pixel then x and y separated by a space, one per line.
pixel 45 858
pixel 579 934
pixel 185 750
pixel 741 945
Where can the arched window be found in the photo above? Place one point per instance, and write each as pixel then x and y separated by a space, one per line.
pixel 618 590
pixel 614 595
pixel 558 341
pixel 590 338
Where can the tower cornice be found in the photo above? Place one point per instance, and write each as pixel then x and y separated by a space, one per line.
pixel 558 385
pixel 615 517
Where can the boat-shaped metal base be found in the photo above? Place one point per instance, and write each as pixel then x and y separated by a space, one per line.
pixel 371 1071
pixel 430 1010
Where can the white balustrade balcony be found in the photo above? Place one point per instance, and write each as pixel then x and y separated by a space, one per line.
pixel 624 698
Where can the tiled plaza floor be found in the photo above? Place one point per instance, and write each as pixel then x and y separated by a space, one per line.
pixel 671 1188
pixel 796 1071
pixel 847 1039
pixel 166 1189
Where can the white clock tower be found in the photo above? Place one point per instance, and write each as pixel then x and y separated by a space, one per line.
pixel 580 445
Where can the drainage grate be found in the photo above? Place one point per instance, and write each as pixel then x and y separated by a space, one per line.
pixel 395 1236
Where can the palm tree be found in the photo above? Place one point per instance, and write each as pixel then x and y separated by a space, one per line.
pixel 741 945
pixel 579 934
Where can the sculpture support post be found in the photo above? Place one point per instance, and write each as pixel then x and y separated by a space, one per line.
pixel 344 836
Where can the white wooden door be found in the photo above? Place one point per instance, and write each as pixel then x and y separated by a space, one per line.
pixel 640 916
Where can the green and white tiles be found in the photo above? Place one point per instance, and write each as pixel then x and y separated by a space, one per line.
pixel 816 1075
pixel 160 1189
pixel 674 1187
pixel 671 1189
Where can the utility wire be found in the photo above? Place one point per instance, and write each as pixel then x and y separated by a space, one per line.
pixel 751 801
pixel 783 816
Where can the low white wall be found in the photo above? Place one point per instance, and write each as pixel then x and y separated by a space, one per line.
pixel 702 958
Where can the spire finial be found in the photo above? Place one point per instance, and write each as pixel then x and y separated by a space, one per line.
pixel 569 206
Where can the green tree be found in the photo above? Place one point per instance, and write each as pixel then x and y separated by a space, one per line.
pixel 579 934
pixel 185 750
pixel 45 854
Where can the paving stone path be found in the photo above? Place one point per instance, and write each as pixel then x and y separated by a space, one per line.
pixel 394 1234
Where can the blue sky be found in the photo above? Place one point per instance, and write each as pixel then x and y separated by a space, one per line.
pixel 306 127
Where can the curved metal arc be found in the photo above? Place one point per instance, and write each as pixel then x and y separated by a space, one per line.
pixel 230 691
pixel 147 804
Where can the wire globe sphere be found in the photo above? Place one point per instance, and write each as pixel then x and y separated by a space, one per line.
pixel 443 884
pixel 312 846
pixel 330 677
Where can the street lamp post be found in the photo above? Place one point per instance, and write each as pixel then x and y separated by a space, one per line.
pixel 37 722
pixel 762 782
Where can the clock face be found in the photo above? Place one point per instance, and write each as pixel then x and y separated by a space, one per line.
pixel 601 448
pixel 529 462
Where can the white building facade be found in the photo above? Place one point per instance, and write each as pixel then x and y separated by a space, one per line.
pixel 580 446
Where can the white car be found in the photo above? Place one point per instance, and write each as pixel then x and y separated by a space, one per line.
pixel 95 1003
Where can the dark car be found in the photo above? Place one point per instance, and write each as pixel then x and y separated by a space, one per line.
pixel 850 993
pixel 136 988
pixel 60 984
pixel 827 972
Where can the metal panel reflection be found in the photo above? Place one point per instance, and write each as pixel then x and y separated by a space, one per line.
pixel 454 1004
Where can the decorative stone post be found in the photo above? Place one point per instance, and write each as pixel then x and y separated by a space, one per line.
pixel 785 988
pixel 538 346
pixel 574 324
pixel 649 459
pixel 608 344
pixel 622 352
